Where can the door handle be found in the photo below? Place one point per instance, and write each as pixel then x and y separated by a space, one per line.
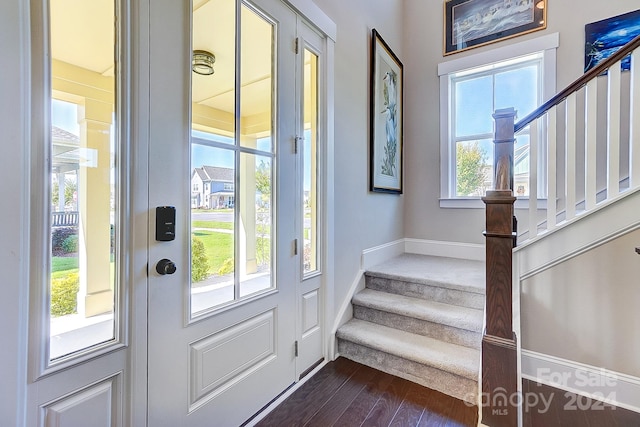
pixel 638 250
pixel 165 266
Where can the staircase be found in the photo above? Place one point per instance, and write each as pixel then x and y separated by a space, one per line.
pixel 420 318
pixel 579 186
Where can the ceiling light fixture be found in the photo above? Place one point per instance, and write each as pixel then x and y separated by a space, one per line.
pixel 540 4
pixel 202 62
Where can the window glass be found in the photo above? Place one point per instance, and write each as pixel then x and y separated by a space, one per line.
pixel 83 289
pixel 476 94
pixel 523 82
pixel 474 106
pixel 474 167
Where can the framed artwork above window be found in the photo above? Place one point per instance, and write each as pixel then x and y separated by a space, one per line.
pixel 474 23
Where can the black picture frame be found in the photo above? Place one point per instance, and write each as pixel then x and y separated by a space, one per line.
pixel 386 118
pixel 473 23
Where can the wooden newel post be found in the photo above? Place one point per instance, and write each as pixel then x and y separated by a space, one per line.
pixel 499 357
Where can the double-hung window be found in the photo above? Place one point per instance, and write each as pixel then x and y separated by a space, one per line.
pixel 471 90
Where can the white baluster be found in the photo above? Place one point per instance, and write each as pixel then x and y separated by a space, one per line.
pixel 551 168
pixel 533 179
pixel 613 134
pixel 570 161
pixel 590 149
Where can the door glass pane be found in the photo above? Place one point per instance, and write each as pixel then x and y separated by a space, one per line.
pixel 212 226
pixel 213 89
pixel 256 85
pixel 83 177
pixel 310 164
pixel 213 152
pixel 256 229
pixel 231 163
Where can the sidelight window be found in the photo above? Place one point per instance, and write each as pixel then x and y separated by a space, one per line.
pixel 82 287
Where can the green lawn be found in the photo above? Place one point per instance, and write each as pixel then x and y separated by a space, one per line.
pixel 211 210
pixel 218 247
pixel 61 266
pixel 212 224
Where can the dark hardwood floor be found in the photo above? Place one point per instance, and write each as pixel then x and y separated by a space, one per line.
pixel 346 393
pixel 560 408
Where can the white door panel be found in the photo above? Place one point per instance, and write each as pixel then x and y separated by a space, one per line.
pixel 93 405
pixel 219 363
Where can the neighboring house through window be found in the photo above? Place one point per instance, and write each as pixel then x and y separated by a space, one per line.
pixel 217 187
pixel 521 76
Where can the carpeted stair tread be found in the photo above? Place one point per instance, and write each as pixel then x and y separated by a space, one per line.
pixel 452 358
pixel 451 273
pixel 459 317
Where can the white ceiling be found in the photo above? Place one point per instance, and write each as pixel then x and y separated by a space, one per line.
pixel 80 35
pixel 83 37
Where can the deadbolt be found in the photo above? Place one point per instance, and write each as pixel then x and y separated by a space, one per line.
pixel 165 266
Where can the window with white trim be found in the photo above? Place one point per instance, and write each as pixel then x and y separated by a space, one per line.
pixel 472 88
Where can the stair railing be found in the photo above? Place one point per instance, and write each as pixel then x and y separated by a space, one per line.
pixel 563 129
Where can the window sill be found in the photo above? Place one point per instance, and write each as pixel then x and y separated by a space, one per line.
pixel 477 203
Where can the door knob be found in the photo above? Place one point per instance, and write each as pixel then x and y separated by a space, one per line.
pixel 165 266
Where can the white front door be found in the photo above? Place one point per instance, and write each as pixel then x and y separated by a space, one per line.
pixel 311 202
pixel 222 133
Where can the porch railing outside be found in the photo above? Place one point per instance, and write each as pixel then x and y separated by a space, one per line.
pixel 64 219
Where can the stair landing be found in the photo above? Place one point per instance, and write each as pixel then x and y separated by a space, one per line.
pixel 452 273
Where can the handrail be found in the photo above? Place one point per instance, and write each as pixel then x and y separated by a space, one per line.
pixel 579 83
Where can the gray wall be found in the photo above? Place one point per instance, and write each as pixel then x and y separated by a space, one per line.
pixel 362 219
pixel 424 219
pixel 586 309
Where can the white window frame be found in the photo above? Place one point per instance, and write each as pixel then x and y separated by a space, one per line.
pixel 546 44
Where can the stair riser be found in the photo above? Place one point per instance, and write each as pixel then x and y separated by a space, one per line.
pixel 427 292
pixel 421 327
pixel 436 379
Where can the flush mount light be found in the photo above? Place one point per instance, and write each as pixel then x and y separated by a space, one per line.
pixel 202 62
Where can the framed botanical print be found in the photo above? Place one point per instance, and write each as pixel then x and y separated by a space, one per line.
pixel 385 118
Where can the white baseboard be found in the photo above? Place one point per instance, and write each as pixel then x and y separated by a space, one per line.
pixel 470 251
pixel 585 380
pixel 381 253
